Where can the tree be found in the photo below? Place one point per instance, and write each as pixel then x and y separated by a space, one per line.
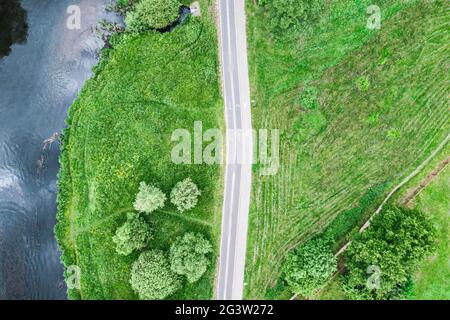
pixel 149 198
pixel 381 260
pixel 152 14
pixel 185 195
pixel 151 277
pixel 309 267
pixel 132 235
pixel 286 17
pixel 189 256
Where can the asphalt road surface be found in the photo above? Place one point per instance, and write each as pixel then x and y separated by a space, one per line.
pixel 239 148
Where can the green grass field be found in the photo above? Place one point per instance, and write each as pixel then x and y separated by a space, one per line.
pixel 434 207
pixel 432 280
pixel 119 134
pixel 382 108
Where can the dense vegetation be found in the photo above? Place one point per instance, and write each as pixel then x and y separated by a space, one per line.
pixel 288 17
pixel 190 256
pixel 429 278
pixel 116 162
pixel 151 276
pixel 359 110
pixel 149 198
pixel 133 235
pixel 152 15
pixel 381 260
pixel 185 195
pixel 308 268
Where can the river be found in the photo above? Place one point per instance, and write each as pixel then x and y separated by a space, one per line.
pixel 41 74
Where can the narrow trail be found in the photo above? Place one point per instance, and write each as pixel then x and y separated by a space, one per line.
pixel 410 195
pixel 400 185
pixel 186 217
pixel 440 168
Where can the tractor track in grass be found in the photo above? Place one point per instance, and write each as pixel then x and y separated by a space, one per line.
pixel 442 165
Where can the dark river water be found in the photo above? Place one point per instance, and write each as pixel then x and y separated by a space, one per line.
pixel 43 65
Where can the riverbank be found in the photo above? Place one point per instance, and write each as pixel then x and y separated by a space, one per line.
pixel 119 134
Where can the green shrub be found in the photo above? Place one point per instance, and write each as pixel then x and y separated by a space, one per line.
pixel 273 293
pixel 189 256
pixel 348 220
pixel 397 240
pixel 185 195
pixel 152 15
pixel 373 118
pixel 123 3
pixel 132 235
pixel 151 277
pixel 363 83
pixel 308 268
pixel 394 133
pixel 287 17
pixel 308 99
pixel 262 3
pixel 149 198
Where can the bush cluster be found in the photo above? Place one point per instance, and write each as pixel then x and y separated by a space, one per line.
pixel 152 15
pixel 287 17
pixel 185 195
pixel 387 253
pixel 308 268
pixel 189 256
pixel 151 276
pixel 132 235
pixel 149 198
pixel 155 275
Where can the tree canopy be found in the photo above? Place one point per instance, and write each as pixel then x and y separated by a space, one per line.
pixel 132 235
pixel 152 14
pixel 151 277
pixel 149 198
pixel 189 256
pixel 307 268
pixel 185 195
pixel 286 17
pixel 381 260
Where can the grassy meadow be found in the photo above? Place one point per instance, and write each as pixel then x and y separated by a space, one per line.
pixel 119 134
pixel 432 279
pixel 429 281
pixel 381 109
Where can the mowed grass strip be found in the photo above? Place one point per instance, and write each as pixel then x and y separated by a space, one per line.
pixel 432 279
pixel 430 285
pixel 382 108
pixel 119 134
